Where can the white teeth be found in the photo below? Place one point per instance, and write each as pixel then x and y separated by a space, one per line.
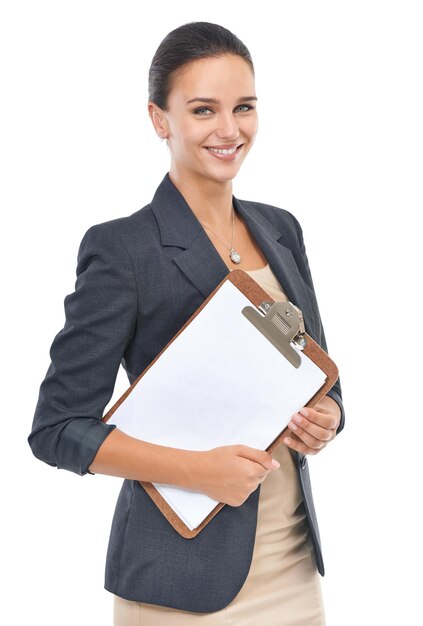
pixel 222 150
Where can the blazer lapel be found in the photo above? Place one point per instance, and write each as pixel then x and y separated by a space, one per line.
pixel 199 259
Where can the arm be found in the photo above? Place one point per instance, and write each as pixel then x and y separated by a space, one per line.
pixel 128 457
pixel 100 320
pixel 101 314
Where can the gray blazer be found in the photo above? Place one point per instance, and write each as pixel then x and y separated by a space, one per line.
pixel 138 279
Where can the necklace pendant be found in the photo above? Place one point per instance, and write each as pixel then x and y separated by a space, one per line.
pixel 235 256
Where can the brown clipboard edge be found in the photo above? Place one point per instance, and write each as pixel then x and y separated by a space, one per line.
pixel 254 292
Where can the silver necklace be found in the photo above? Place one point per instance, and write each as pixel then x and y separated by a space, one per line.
pixel 233 254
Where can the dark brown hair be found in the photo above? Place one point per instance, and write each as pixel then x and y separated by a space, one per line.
pixel 191 41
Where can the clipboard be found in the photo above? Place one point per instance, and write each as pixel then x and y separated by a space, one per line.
pixel 278 331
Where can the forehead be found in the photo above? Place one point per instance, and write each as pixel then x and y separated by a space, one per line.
pixel 221 77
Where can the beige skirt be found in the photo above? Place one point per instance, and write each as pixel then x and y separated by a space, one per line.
pixel 282 587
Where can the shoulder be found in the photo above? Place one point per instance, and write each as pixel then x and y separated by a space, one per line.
pixel 122 235
pixel 124 226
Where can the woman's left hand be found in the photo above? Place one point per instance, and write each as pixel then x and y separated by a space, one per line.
pixel 313 428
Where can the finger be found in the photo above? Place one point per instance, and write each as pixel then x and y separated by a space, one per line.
pixel 310 441
pixel 325 420
pixel 300 424
pixel 261 478
pixel 292 441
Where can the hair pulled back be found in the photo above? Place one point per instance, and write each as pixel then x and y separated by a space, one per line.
pixel 191 41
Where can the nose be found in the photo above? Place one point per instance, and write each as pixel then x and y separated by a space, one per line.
pixel 228 126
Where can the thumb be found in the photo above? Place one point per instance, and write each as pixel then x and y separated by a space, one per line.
pixel 259 456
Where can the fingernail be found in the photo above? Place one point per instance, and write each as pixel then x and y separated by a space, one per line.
pixel 275 463
pixel 303 412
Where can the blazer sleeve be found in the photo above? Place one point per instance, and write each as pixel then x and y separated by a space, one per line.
pixel 100 321
pixel 335 392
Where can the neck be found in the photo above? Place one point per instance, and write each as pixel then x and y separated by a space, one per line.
pixel 209 200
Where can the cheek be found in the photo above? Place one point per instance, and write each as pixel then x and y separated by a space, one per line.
pixel 191 137
pixel 182 130
pixel 252 128
pixel 197 135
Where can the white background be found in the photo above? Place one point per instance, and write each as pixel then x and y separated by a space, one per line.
pixel 340 146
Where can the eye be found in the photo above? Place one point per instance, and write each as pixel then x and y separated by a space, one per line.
pixel 202 109
pixel 248 106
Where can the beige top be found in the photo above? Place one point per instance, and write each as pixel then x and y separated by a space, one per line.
pixel 266 279
pixel 282 586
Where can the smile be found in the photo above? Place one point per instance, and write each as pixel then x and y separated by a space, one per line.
pixel 224 150
pixel 225 153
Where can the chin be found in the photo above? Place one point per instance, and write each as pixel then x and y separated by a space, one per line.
pixel 221 177
pixel 223 173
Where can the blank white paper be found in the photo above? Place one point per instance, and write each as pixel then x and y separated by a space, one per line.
pixel 220 382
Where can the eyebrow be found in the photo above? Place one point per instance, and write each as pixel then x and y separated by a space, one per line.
pixel 214 101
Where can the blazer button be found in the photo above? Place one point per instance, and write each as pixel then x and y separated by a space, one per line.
pixel 303 461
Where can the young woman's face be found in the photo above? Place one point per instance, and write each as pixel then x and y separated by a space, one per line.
pixel 224 117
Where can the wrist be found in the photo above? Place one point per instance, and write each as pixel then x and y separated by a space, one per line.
pixel 331 405
pixel 190 466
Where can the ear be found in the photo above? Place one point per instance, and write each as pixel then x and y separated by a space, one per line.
pixel 158 119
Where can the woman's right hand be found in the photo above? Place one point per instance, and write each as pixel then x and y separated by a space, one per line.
pixel 229 474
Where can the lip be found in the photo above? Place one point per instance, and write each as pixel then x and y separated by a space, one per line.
pixel 227 146
pixel 226 157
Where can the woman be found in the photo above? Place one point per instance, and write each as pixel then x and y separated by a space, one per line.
pixel 139 278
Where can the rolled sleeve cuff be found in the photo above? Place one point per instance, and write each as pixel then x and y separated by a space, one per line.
pixel 332 393
pixel 79 442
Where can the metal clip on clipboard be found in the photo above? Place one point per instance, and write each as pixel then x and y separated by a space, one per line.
pixel 281 323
